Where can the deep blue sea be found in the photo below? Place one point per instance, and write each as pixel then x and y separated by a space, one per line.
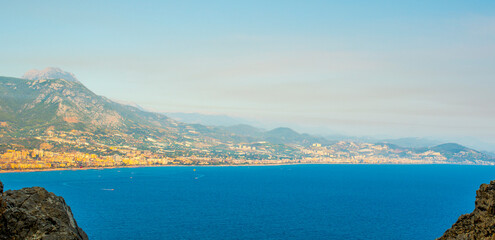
pixel 265 202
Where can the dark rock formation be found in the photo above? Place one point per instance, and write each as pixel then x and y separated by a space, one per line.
pixel 34 213
pixel 480 224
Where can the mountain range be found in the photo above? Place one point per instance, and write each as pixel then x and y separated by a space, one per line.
pixel 250 127
pixel 49 105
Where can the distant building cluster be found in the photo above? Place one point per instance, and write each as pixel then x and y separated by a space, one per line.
pixel 342 153
pixel 75 149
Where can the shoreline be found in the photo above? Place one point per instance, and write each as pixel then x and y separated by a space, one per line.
pixel 230 165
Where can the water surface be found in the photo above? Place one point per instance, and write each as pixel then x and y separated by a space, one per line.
pixel 265 202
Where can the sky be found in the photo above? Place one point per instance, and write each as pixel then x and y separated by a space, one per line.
pixel 367 68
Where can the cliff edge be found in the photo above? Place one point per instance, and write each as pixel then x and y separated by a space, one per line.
pixel 34 213
pixel 480 224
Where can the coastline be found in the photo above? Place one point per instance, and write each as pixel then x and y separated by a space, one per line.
pixel 226 165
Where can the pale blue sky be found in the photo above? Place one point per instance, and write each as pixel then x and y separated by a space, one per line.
pixel 397 68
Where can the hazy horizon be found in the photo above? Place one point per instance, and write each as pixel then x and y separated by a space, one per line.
pixel 408 69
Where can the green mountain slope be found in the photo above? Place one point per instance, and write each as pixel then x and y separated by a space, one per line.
pixel 28 104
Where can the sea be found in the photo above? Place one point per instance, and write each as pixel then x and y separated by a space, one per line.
pixel 265 202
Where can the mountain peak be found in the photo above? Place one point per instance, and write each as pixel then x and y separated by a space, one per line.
pixel 284 130
pixel 49 73
pixel 450 147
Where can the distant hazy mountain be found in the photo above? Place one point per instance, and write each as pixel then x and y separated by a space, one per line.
pixel 228 121
pixel 206 119
pixel 285 135
pixel 49 73
pixel 245 130
pixel 492 154
pixel 450 148
pixel 455 152
pixel 281 135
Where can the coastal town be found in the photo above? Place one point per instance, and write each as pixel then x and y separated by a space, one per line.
pixel 74 151
pixel 38 159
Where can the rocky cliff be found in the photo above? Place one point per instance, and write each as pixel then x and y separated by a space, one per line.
pixel 480 224
pixel 34 213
